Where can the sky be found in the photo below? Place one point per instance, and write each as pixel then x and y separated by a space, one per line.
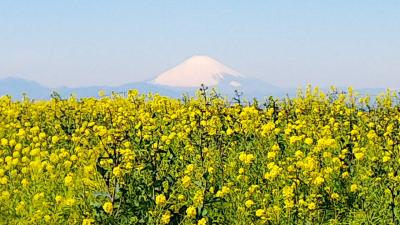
pixel 286 43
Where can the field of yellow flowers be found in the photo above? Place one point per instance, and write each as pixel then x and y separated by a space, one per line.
pixel 318 158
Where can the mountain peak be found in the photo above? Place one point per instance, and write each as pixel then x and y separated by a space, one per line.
pixel 194 71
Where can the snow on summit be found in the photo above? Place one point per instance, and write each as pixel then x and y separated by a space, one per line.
pixel 195 71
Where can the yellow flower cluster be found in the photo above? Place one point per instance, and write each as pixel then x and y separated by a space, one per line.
pixel 318 158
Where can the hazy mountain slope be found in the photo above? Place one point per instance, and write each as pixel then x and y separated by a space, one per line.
pixel 250 87
pixel 16 87
pixel 186 77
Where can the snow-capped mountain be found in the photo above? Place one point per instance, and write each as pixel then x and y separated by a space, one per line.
pixel 198 70
pixel 186 77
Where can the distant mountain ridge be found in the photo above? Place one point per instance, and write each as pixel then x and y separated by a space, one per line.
pixel 186 77
pixel 17 88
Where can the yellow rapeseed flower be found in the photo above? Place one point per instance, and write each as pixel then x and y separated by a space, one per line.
pixel 186 180
pixel 249 203
pixel 166 217
pixel 161 199
pixel 202 221
pixel 353 188
pixel 191 212
pixel 87 221
pixel 260 212
pixel 117 171
pixel 311 206
pixel 108 207
pixel 68 181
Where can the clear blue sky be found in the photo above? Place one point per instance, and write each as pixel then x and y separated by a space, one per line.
pixel 288 43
